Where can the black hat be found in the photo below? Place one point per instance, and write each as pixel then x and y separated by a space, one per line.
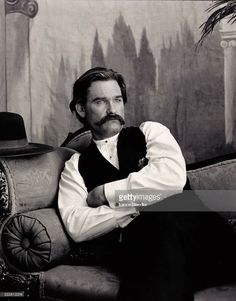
pixel 13 139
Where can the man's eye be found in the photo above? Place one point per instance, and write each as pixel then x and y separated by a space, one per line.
pixel 118 99
pixel 99 101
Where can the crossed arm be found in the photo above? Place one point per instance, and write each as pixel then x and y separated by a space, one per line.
pixel 96 197
pixel 89 215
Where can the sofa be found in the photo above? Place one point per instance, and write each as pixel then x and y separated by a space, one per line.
pixel 39 261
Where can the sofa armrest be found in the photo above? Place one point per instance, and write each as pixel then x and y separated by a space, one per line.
pixel 35 240
pixel 30 183
pixel 214 181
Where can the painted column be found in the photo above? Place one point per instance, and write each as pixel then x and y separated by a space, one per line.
pixel 228 35
pixel 18 90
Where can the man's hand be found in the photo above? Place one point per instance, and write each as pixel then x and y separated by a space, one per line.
pixel 96 197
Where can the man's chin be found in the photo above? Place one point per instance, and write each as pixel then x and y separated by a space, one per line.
pixel 112 127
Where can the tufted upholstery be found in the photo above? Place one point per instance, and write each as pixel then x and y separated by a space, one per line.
pixel 33 180
pixel 221 293
pixel 81 283
pixel 214 181
pixel 26 243
pixel 34 240
pixel 218 175
pixel 79 140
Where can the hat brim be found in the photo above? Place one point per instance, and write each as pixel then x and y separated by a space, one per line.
pixel 29 150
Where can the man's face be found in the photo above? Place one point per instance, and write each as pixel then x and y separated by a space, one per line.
pixel 104 109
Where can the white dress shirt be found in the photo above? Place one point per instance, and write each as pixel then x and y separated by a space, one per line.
pixel 108 148
pixel 165 171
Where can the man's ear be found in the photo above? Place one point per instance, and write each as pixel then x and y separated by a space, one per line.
pixel 80 110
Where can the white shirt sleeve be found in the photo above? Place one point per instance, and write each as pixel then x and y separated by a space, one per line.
pixel 83 222
pixel 165 171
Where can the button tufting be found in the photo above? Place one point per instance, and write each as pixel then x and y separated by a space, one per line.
pixel 25 243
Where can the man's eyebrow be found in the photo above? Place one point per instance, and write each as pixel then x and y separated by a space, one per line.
pixel 99 98
pixel 104 98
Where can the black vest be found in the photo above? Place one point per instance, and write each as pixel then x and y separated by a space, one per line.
pixel 131 148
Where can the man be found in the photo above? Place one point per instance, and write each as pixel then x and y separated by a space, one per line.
pixel 160 254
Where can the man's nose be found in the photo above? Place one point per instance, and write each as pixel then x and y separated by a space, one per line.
pixel 111 107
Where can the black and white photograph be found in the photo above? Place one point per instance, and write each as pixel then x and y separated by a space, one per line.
pixel 117 150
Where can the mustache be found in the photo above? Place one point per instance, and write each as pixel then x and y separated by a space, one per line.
pixel 111 117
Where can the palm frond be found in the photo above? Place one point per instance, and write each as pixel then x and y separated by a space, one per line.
pixel 224 8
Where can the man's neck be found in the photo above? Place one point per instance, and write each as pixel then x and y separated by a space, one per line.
pixel 97 137
pixel 114 137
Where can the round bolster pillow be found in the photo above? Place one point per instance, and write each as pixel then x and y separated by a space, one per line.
pixel 34 240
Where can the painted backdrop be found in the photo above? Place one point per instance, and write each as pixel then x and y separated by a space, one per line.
pixel 152 43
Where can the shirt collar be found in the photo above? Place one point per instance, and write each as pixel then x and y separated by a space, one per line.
pixel 109 140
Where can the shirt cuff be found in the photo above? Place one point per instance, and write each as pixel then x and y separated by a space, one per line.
pixel 112 190
pixel 124 216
